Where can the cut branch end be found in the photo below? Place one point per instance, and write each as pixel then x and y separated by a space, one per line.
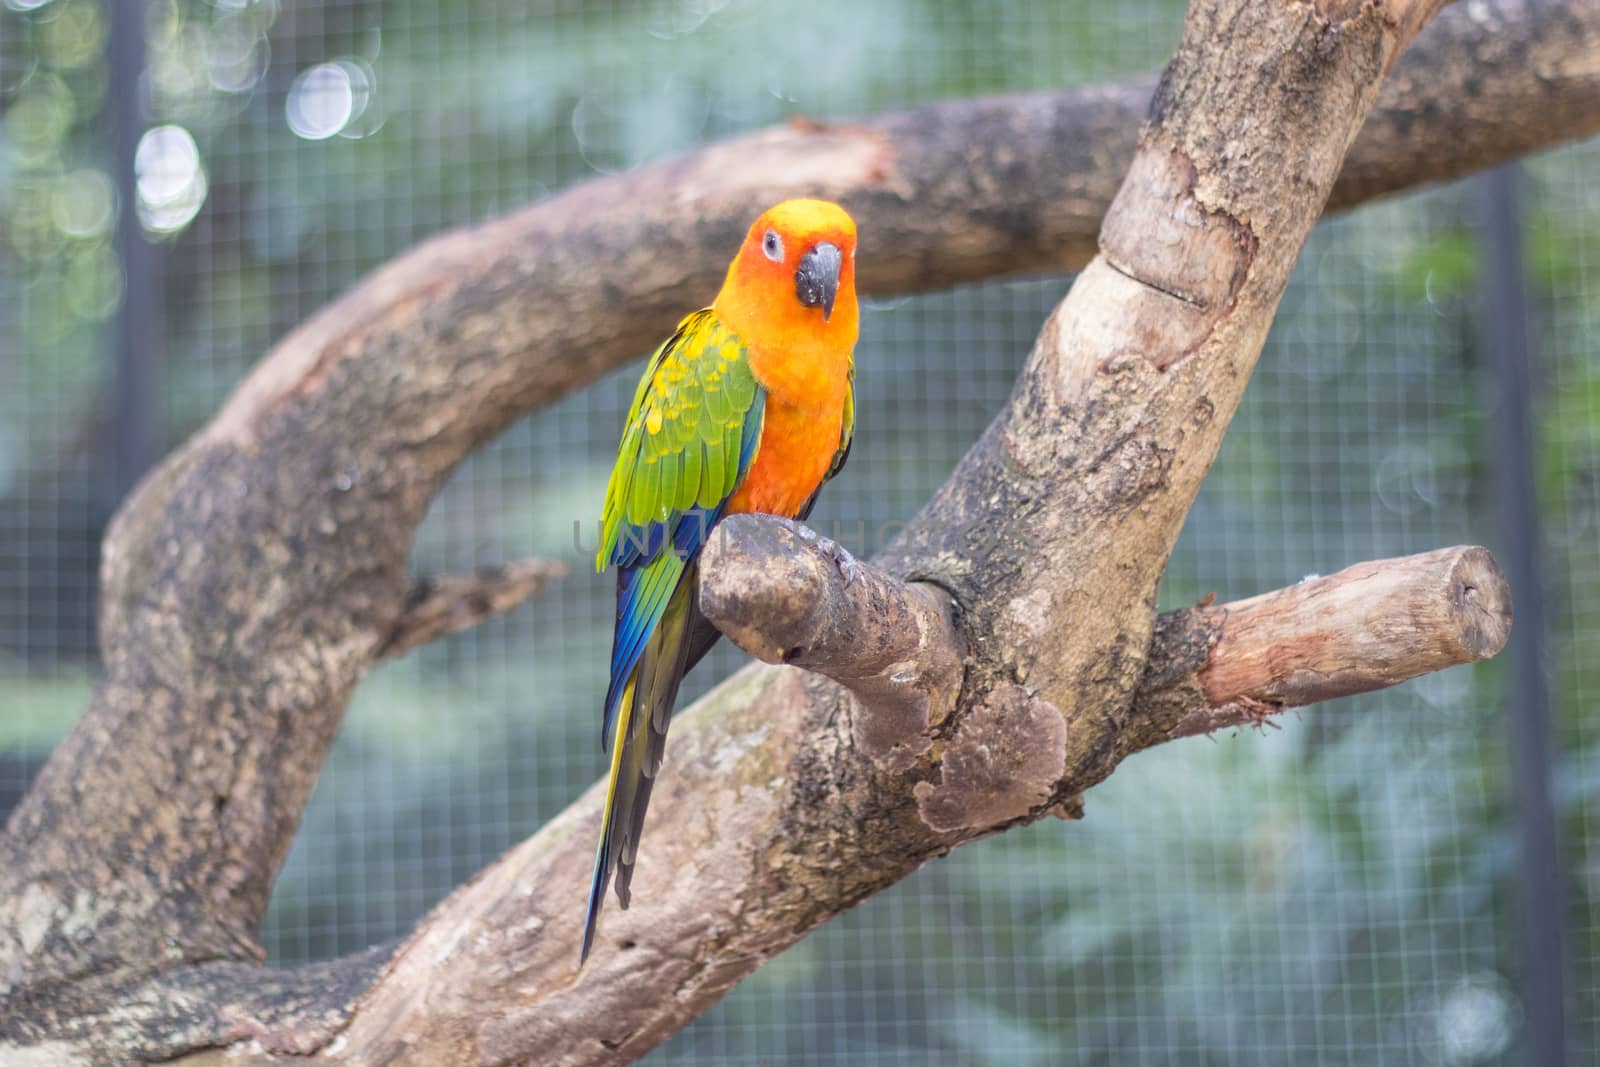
pixel 786 595
pixel 1370 626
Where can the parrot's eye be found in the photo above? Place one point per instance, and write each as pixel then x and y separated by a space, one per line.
pixel 772 245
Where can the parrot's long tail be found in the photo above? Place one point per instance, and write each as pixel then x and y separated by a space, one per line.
pixel 644 710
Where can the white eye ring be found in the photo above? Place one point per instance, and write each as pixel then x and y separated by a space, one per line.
pixel 772 246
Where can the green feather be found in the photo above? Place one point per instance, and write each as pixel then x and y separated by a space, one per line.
pixel 654 446
pixel 686 422
pixel 714 478
pixel 642 497
pixel 731 439
pixel 707 428
pixel 740 384
pixel 689 483
pixel 700 386
pixel 667 498
pixel 717 404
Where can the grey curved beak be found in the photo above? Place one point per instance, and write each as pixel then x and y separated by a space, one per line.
pixel 816 282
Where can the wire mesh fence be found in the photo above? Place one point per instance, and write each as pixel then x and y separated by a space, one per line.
pixel 1338 891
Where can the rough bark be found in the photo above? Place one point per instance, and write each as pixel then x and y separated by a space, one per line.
pixel 1368 627
pixel 957 192
pixel 254 578
pixel 449 603
pixel 776 590
pixel 1057 525
pixel 786 597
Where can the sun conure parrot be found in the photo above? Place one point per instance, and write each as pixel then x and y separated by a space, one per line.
pixel 748 406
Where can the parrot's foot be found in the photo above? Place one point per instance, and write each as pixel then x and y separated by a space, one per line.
pixel 841 558
pixel 848 568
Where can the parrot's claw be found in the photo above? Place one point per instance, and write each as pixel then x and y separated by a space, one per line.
pixel 848 568
pixel 841 558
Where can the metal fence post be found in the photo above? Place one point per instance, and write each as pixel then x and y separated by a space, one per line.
pixel 135 341
pixel 1506 339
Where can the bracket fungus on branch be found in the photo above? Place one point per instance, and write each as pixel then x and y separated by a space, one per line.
pixel 777 591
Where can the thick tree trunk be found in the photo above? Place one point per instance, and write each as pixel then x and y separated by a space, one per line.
pixel 1001 658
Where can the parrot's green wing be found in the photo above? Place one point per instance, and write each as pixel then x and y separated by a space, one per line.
pixel 691 435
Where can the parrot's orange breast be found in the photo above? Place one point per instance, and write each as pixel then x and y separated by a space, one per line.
pixel 806 386
pixel 797 447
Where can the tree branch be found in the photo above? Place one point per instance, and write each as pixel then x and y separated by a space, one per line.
pixel 446 604
pixel 957 192
pixel 783 595
pixel 1368 627
pixel 776 590
pixel 1050 537
pixel 255 577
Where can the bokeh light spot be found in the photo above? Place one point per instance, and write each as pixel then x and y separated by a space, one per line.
pixel 325 100
pixel 74 37
pixel 94 282
pixel 171 180
pixel 237 53
pixel 83 203
pixel 1476 1020
pixel 38 122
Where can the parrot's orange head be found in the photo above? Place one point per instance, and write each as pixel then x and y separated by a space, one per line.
pixel 794 279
